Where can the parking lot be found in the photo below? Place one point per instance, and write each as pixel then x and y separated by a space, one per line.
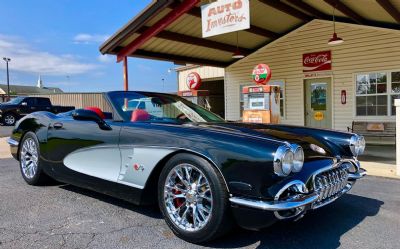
pixel 63 216
pixel 5 131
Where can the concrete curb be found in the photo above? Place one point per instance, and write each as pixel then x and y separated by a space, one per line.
pixel 4 148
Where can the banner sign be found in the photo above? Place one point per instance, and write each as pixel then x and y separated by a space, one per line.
pixel 225 16
pixel 317 61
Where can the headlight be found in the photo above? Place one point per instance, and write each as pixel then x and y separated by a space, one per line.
pixel 283 161
pixel 298 157
pixel 357 145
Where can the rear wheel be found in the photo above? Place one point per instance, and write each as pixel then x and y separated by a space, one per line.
pixel 193 199
pixel 29 160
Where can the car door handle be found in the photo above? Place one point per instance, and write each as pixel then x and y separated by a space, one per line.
pixel 57 125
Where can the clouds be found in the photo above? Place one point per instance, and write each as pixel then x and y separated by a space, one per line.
pixel 106 58
pixel 24 58
pixel 84 38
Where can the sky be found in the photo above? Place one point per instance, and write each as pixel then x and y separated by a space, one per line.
pixel 60 40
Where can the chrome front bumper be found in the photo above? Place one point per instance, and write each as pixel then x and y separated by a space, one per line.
pixel 300 201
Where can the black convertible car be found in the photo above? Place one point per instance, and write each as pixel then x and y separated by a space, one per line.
pixel 205 173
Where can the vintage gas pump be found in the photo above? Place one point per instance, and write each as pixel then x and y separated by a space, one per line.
pixel 261 101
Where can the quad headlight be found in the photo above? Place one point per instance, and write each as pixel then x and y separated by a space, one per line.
pixel 298 157
pixel 288 159
pixel 357 145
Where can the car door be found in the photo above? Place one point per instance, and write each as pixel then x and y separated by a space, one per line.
pixel 80 149
pixel 43 104
pixel 27 106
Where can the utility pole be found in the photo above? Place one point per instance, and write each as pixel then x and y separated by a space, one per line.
pixel 7 60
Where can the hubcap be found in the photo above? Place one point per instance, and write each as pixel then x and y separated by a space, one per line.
pixel 188 197
pixel 29 158
pixel 9 119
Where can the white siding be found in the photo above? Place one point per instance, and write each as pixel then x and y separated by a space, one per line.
pixel 365 49
pixel 205 72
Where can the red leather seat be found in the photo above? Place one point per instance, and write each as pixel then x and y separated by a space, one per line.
pixel 140 115
pixel 97 110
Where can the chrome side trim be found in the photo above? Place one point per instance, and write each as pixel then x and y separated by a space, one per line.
pixel 12 142
pixel 300 201
pixel 358 175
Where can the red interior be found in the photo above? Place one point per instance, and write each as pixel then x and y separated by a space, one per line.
pixel 97 110
pixel 140 115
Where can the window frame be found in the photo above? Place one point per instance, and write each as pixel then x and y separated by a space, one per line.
pixel 388 94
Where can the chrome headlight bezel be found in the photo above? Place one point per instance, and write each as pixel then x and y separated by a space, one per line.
pixel 298 157
pixel 283 161
pixel 357 145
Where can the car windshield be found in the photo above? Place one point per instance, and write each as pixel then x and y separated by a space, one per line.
pixel 15 101
pixel 158 107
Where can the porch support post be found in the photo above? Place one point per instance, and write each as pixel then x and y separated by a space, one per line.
pixel 397 104
pixel 125 69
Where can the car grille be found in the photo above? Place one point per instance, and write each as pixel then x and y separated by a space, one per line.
pixel 330 184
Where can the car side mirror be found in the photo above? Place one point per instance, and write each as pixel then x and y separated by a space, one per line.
pixel 87 115
pixel 24 104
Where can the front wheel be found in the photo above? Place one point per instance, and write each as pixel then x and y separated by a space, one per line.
pixel 9 119
pixel 193 199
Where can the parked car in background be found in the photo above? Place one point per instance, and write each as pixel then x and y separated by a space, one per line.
pixel 16 108
pixel 205 173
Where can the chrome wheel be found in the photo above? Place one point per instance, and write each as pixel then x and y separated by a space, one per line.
pixel 29 158
pixel 187 197
pixel 9 120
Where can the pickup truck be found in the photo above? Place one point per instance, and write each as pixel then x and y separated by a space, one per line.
pixel 15 109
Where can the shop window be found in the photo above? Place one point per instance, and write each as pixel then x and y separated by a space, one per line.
pixel 281 84
pixel 371 94
pixel 376 92
pixel 241 99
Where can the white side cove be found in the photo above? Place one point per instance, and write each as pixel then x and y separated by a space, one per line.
pixel 97 161
pixel 138 163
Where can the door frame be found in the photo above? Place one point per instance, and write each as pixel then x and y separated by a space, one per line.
pixel 330 76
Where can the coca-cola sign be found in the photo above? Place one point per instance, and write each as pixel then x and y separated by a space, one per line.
pixel 317 61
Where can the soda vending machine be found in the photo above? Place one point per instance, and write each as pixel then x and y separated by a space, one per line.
pixel 261 104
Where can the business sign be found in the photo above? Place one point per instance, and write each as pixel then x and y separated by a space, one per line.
pixel 317 61
pixel 193 81
pixel 225 16
pixel 261 74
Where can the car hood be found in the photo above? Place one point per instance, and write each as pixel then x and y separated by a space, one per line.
pixel 4 106
pixel 335 143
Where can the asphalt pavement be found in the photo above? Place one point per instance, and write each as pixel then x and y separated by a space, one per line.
pixel 63 216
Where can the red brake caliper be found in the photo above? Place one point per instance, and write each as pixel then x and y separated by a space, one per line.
pixel 177 201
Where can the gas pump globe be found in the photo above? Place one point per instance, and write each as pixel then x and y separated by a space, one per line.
pixel 261 104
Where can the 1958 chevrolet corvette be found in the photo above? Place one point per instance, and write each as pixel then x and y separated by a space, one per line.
pixel 205 173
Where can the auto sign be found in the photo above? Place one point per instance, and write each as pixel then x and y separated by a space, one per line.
pixel 261 74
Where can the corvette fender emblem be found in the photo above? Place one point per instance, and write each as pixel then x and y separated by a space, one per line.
pixel 138 167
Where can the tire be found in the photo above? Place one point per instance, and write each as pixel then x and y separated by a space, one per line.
pixel 9 119
pixel 29 160
pixel 207 198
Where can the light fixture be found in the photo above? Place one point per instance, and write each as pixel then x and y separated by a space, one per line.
pixel 237 54
pixel 335 39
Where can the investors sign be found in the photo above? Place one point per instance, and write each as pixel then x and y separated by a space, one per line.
pixel 317 61
pixel 225 16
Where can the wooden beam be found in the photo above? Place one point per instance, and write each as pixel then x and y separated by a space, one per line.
pixel 287 9
pixel 178 58
pixel 172 36
pixel 160 25
pixel 308 8
pixel 390 9
pixel 346 10
pixel 196 12
pixel 125 73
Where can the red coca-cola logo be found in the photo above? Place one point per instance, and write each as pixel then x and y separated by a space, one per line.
pixel 317 61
